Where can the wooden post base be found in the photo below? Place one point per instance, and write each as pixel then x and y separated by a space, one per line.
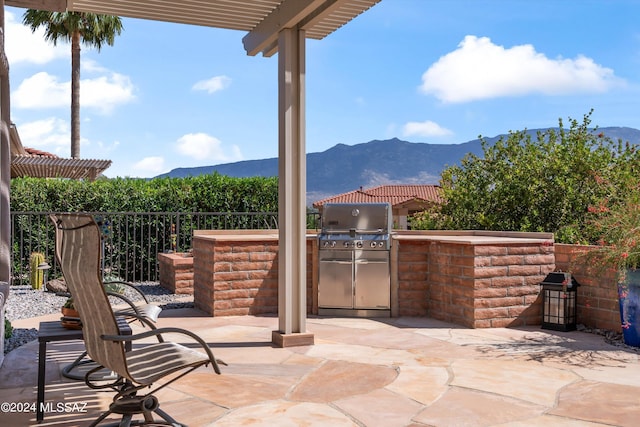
pixel 291 340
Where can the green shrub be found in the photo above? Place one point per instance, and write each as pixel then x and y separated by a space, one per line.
pixel 546 183
pixel 203 193
pixel 127 253
pixel 8 329
pixel 117 288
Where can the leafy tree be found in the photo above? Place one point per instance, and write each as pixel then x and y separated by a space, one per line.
pixel 89 28
pixel 542 184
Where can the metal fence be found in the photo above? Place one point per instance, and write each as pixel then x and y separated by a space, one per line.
pixel 131 240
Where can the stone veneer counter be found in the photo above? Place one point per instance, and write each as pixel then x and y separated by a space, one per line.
pixel 471 278
pixel 236 272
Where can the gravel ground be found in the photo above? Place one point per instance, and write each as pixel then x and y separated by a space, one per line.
pixel 25 302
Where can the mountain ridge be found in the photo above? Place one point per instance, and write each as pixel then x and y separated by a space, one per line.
pixel 344 168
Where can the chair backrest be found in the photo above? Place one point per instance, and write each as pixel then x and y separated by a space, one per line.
pixel 78 253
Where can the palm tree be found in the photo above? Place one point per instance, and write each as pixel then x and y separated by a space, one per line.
pixel 89 28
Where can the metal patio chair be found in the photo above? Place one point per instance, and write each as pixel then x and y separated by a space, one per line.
pixel 78 252
pixel 131 310
pixel 140 309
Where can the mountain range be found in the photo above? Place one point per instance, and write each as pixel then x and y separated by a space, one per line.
pixel 344 168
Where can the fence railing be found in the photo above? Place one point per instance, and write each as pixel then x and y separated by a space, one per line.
pixel 131 240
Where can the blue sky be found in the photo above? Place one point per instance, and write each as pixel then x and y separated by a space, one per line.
pixel 436 71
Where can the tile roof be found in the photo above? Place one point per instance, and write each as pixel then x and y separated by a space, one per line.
pixel 394 194
pixel 38 153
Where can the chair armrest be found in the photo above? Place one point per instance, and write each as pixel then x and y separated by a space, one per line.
pixel 129 285
pixel 125 299
pixel 144 320
pixel 115 294
pixel 167 330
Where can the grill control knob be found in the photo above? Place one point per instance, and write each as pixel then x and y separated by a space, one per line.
pixel 359 244
pixel 346 244
pixel 325 244
pixel 333 244
pixel 373 244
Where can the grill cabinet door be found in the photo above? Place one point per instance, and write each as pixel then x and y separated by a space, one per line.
pixel 372 280
pixel 335 279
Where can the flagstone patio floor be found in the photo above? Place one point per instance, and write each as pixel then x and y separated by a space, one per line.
pixel 362 372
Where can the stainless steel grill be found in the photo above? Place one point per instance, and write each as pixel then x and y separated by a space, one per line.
pixel 354 271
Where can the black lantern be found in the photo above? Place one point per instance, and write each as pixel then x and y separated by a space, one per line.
pixel 559 302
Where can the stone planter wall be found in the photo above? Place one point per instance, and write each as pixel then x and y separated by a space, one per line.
pixel 597 296
pixel 176 272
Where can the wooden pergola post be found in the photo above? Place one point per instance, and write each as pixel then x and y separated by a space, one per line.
pixel 292 185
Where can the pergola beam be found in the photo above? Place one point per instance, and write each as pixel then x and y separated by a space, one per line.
pixel 50 5
pixel 264 37
pixel 321 13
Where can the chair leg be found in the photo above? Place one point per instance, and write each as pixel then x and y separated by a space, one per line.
pixel 128 406
pixel 100 418
pixel 168 418
pixel 126 421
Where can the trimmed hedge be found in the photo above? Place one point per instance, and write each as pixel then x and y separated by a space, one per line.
pixel 136 237
pixel 204 193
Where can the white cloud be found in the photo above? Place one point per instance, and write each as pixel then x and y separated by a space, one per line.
pixel 24 46
pixel 205 147
pixel 426 128
pixel 46 133
pixel 212 85
pixel 54 135
pixel 41 90
pixel 103 93
pixel 149 165
pixel 91 66
pixel 479 69
pixel 106 92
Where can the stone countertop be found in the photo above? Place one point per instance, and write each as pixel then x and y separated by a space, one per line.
pixel 475 239
pixel 243 235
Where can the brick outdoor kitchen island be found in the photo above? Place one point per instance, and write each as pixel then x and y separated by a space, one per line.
pixel 477 279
